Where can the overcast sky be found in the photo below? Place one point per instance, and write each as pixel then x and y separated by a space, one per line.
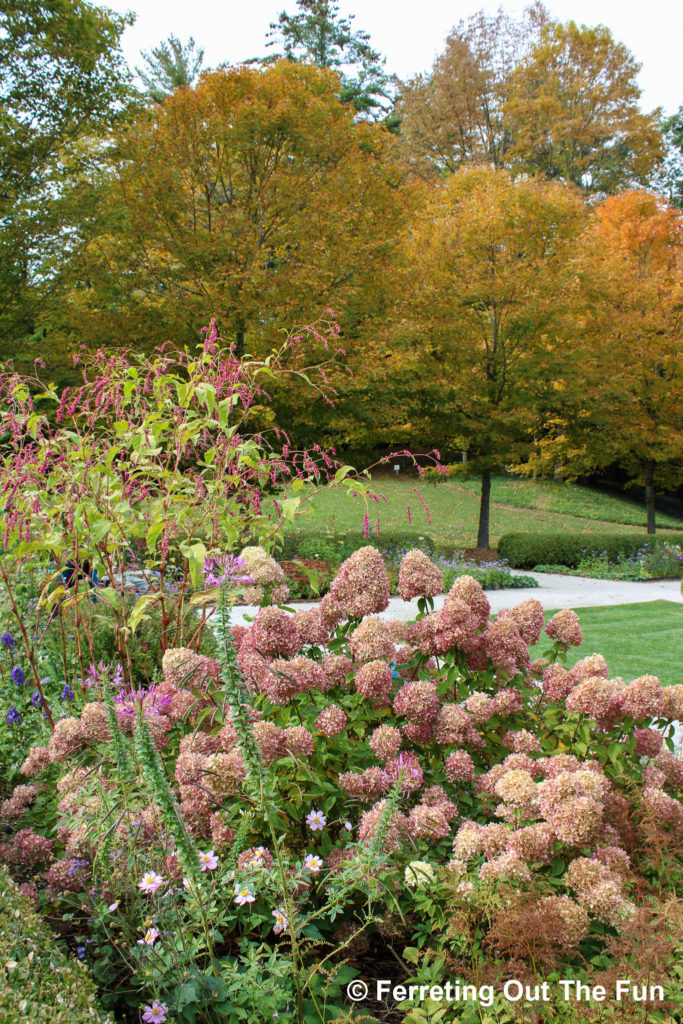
pixel 411 34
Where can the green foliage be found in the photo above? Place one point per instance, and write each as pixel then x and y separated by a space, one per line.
pixel 38 981
pixel 317 33
pixel 170 66
pixel 527 550
pixel 62 79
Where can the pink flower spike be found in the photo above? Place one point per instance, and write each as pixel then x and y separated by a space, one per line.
pixel 149 884
pixel 208 860
pixel 156 1013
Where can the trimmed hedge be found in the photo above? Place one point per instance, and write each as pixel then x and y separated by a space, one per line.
pixel 525 550
pixel 38 981
pixel 336 547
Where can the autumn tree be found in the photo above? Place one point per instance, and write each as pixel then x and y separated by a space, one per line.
pixel 457 113
pixel 254 197
pixel 574 105
pixel 318 34
pixel 623 393
pixel 486 260
pixel 62 80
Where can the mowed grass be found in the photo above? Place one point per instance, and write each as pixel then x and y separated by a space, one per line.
pixel 449 512
pixel 635 639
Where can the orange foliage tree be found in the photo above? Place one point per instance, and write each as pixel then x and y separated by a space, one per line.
pixel 478 316
pixel 253 197
pixel 622 394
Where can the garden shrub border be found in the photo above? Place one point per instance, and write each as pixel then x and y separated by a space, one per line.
pixel 38 980
pixel 526 550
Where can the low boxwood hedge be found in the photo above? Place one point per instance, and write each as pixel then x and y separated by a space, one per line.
pixel 38 980
pixel 525 550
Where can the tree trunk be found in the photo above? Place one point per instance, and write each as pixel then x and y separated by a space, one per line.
pixel 650 497
pixel 484 509
pixel 239 343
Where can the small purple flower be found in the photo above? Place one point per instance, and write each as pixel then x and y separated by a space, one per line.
pixel 80 952
pixel 7 641
pixel 13 716
pixel 36 699
pixel 156 1013
pixel 316 820
pixel 17 676
pixel 224 569
pixel 68 694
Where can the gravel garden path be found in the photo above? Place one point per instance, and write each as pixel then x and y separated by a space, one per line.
pixel 554 591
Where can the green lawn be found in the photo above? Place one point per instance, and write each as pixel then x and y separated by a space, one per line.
pixel 634 639
pixel 454 509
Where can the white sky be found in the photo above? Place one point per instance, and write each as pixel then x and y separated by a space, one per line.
pixel 411 34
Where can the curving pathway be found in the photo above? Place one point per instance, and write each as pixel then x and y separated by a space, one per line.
pixel 554 592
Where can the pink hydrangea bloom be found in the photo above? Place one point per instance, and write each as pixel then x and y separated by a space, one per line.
pixel 361 587
pixel 564 627
pixel 418 576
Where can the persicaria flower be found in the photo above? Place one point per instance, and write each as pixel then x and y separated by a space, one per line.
pixel 150 882
pixel 316 820
pixel 564 627
pixel 313 863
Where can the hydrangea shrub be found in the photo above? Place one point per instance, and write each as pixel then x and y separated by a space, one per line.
pixel 336 774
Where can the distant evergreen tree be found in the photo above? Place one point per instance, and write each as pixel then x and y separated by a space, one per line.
pixel 672 175
pixel 317 33
pixel 169 66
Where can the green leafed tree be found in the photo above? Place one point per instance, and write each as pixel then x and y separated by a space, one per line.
pixel 169 66
pixel 62 79
pixel 319 34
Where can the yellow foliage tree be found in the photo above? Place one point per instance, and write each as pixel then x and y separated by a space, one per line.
pixel 622 395
pixel 486 260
